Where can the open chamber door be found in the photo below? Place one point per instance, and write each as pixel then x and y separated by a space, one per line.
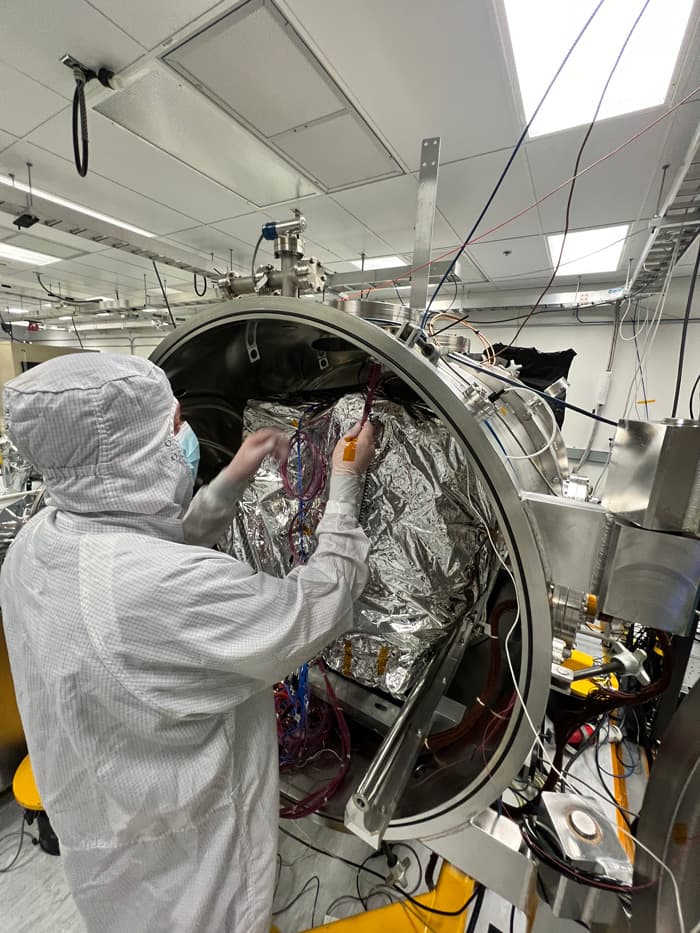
pixel 425 761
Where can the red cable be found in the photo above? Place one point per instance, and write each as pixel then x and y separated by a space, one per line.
pixel 525 210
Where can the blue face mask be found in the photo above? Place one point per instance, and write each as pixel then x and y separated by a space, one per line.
pixel 187 440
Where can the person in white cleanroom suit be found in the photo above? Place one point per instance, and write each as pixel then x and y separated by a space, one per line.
pixel 143 660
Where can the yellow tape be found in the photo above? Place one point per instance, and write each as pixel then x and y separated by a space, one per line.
pixel 347 659
pixel 382 659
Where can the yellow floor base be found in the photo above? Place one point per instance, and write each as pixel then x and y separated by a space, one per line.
pixel 452 890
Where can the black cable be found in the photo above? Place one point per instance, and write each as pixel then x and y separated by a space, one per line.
pixel 512 919
pixel 398 293
pixel 692 393
pixel 639 359
pixel 359 872
pixel 579 156
pixel 607 790
pixel 684 333
pixel 196 290
pixel 548 398
pixel 282 910
pixel 76 331
pixel 478 893
pixel 584 746
pixel 510 161
pixel 338 858
pixel 253 261
pixel 478 889
pixel 165 297
pixel 65 298
pixel 17 854
pixel 80 126
pixel 361 867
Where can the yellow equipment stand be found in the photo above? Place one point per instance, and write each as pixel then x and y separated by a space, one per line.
pixel 451 891
pixel 27 796
pixel 24 787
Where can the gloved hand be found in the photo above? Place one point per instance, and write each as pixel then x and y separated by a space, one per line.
pixel 354 451
pixel 252 452
pixel 351 458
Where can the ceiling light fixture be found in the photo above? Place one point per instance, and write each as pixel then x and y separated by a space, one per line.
pixel 589 251
pixel 541 32
pixel 378 262
pixel 17 254
pixel 62 202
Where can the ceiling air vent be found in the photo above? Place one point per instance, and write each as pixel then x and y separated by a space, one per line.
pixel 255 66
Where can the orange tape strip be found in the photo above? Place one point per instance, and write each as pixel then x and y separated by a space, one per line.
pixel 350 448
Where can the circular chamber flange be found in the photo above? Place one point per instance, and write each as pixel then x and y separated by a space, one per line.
pixel 248 346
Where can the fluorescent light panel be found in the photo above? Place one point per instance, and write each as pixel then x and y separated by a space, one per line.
pixel 379 262
pixel 542 31
pixel 17 254
pixel 587 251
pixel 62 202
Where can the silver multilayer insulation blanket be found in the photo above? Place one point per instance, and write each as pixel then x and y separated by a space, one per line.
pixel 429 559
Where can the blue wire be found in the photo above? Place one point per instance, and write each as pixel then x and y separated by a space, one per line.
pixel 424 319
pixel 496 437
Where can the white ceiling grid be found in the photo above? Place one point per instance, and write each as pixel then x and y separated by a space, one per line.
pixel 408 69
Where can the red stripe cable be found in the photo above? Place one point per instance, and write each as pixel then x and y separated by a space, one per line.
pixel 372 382
pixel 525 210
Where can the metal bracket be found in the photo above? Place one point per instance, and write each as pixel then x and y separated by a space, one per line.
pixel 251 345
pixel 425 219
pixel 322 359
pixel 488 849
pixel 370 809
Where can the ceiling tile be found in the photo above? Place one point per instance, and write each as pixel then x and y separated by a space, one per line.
pixel 337 152
pixel 415 71
pixel 165 109
pixel 40 245
pixel 120 156
pixel 687 260
pixel 468 271
pixel 24 103
pixel 388 208
pixel 247 228
pixel 526 256
pixel 227 57
pixel 612 191
pixel 209 240
pixel 464 186
pixel 59 177
pixel 332 227
pixel 37 34
pixel 150 23
pixel 6 139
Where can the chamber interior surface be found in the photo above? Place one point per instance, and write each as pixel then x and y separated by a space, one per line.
pixel 226 378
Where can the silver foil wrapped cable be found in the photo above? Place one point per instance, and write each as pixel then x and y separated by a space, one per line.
pixel 428 560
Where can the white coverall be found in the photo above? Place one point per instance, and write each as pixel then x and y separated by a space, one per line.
pixel 143 663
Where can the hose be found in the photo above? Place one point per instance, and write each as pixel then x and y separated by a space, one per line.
pixel 80 117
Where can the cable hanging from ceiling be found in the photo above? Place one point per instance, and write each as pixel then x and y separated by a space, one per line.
pixel 577 164
pixel 510 161
pixel 687 98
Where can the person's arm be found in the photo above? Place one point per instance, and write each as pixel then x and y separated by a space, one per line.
pixel 220 633
pixel 212 509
